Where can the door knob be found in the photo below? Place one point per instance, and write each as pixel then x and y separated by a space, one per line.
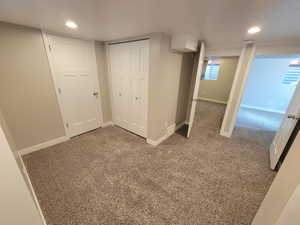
pixel 136 98
pixel 294 117
pixel 95 94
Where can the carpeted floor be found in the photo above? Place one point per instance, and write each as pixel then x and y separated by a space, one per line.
pixel 257 126
pixel 110 176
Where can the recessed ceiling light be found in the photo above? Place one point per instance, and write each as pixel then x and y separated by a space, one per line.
pixel 71 24
pixel 254 30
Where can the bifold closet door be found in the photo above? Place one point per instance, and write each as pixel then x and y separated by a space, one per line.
pixel 129 81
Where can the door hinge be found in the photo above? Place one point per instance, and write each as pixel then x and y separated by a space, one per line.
pixel 59 90
pixel 67 125
pixel 50 48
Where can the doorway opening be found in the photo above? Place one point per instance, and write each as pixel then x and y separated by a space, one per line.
pixel 269 89
pixel 215 85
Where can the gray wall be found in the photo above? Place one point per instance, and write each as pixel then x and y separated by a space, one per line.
pixel 7 132
pixel 219 89
pixel 27 97
pixel 186 74
pixel 268 74
pixel 169 83
pixel 156 101
pixel 16 204
pixel 101 58
pixel 9 138
pixel 28 102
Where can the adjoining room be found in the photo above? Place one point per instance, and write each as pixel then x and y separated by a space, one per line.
pixel 270 87
pixel 149 112
pixel 215 84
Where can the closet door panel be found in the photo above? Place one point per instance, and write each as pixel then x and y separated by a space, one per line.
pixel 119 69
pixel 124 82
pixel 129 71
pixel 115 91
pixel 138 80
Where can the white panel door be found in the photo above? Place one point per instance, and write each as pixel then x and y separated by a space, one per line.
pixel 196 88
pixel 129 80
pixel 119 61
pixel 286 128
pixel 75 73
pixel 139 57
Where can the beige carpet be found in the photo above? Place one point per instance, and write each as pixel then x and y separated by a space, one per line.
pixel 110 176
pixel 257 126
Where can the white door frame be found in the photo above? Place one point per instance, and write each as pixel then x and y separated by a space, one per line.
pixel 234 51
pixel 260 48
pixel 55 82
pixel 195 89
pixel 238 51
pixel 107 48
pixel 233 106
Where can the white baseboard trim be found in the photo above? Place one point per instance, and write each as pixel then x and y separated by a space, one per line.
pixel 26 176
pixel 170 130
pixel 213 100
pixel 225 134
pixel 107 124
pixel 262 109
pixel 179 125
pixel 156 142
pixel 43 145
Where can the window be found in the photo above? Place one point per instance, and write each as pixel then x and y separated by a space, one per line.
pixel 212 70
pixel 291 77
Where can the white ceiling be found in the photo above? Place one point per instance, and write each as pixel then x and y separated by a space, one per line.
pixel 215 21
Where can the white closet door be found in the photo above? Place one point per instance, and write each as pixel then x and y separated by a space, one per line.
pixel 129 71
pixel 119 71
pixel 75 74
pixel 139 74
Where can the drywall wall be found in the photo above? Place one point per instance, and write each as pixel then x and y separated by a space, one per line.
pixel 268 74
pixel 101 57
pixel 219 89
pixel 9 138
pixel 12 145
pixel 192 84
pixel 177 72
pixel 281 191
pixel 7 132
pixel 183 98
pixel 157 84
pixel 16 206
pixel 27 97
pixel 291 210
pixel 169 84
pixel 238 86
